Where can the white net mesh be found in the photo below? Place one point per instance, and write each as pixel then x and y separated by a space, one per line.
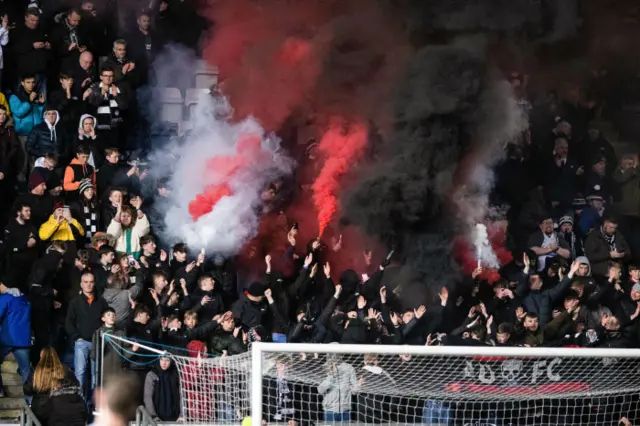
pixel 315 387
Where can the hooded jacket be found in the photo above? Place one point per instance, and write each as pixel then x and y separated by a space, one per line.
pixel 26 114
pixel 76 172
pixel 46 138
pixel 15 319
pixel 96 158
pixel 52 230
pixel 336 389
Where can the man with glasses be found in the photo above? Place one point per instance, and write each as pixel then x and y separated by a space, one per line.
pixel 109 101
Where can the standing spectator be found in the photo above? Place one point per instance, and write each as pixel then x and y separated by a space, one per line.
pixel 69 39
pixel 32 50
pixel 70 106
pixel 162 392
pixel 597 179
pixel 144 46
pixel 86 210
pixel 627 179
pixel 61 226
pixel 10 159
pixel 122 66
pixel 86 135
pixel 47 137
pixel 4 40
pixel 110 101
pixel 107 359
pixel 112 175
pixel 127 229
pixel 547 243
pixel 45 378
pixel 605 244
pixel 20 238
pixel 337 389
pixel 15 329
pixel 78 172
pixel 83 319
pixel 28 108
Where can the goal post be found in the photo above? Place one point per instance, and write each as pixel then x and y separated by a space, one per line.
pixel 466 385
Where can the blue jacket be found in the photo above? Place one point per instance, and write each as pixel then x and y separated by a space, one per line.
pixel 26 114
pixel 15 319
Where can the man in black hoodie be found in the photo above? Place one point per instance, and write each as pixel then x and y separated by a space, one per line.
pixel 32 49
pixel 205 301
pixel 21 239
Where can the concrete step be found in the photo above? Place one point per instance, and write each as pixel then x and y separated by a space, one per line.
pixel 11 403
pixel 13 391
pixel 12 379
pixel 10 367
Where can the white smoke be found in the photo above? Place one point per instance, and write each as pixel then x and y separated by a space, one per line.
pixel 234 219
pixel 484 252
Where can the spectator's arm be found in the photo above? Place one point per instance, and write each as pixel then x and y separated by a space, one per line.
pixel 31 146
pixel 142 225
pixel 70 323
pixel 522 288
pixel 4 36
pixel 75 226
pixel 48 228
pixel 115 229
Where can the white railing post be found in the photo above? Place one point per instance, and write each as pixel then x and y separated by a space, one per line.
pixel 256 384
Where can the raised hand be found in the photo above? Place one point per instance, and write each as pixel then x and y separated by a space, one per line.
pixel 383 295
pixel 362 302
pixel 327 270
pixel 338 290
pixel 308 259
pixel 420 311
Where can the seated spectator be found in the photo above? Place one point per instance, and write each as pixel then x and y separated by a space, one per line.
pixel 604 244
pixel 127 228
pixel 47 137
pixel 110 102
pixel 86 135
pixel 162 392
pixel 45 379
pixel 61 226
pixel 86 210
pixel 15 329
pixel 78 172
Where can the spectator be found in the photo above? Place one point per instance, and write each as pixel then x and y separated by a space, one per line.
pixel 61 226
pixel 112 175
pixel 20 238
pixel 83 319
pixel 128 229
pixel 41 203
pixel 119 297
pixel 70 106
pixel 47 137
pixel 67 404
pixel 69 39
pixel 10 159
pixel 336 389
pixel 86 135
pixel 107 359
pixel 628 205
pixel 591 216
pixel 46 377
pixel 4 40
pixel 110 102
pixel 15 329
pixel 162 392
pixel 32 50
pixel 84 74
pixel 27 105
pixel 144 44
pixel 79 174
pixel 604 244
pixel 547 243
pixel 124 69
pixel 116 401
pixel 86 210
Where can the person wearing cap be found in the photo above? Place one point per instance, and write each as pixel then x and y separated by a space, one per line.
pixel 78 171
pixel 61 226
pixel 606 244
pixel 596 179
pixel 591 216
pixel 40 202
pixel 565 225
pixel 86 209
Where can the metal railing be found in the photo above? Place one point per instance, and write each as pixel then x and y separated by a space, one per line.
pixel 27 418
pixel 143 418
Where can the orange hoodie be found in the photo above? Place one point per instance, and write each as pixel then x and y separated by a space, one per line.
pixel 70 182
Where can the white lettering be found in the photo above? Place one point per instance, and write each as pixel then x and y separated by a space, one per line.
pixel 538 371
pixel 550 375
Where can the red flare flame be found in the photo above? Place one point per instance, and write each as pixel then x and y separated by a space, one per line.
pixel 341 145
pixel 222 169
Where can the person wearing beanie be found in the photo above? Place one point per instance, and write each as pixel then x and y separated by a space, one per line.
pixel 41 203
pixel 86 209
pixel 565 225
pixel 592 215
pixel 78 171
pixel 596 179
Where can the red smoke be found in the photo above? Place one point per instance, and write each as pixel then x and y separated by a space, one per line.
pixel 342 146
pixel 466 255
pixel 222 169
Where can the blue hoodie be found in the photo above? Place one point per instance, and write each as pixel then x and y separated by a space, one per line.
pixel 26 114
pixel 15 319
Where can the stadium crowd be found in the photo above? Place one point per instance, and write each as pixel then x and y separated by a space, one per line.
pixel 82 254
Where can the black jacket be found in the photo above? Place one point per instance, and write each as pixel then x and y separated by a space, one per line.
pixel 205 312
pixel 10 153
pixel 83 319
pixel 62 37
pixel 42 140
pixel 29 60
pixel 80 75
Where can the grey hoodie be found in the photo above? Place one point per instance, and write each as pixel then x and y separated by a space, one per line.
pixel 118 299
pixel 584 261
pixel 336 389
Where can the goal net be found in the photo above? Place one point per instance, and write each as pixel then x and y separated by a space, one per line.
pixel 307 384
